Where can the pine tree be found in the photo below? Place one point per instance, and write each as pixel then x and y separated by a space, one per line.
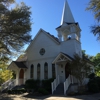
pixel 15 27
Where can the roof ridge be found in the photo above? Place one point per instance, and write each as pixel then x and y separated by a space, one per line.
pixel 54 37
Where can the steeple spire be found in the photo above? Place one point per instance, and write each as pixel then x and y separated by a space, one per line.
pixel 67 14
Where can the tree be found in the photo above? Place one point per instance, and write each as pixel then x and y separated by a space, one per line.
pixel 97 69
pixel 79 68
pixel 84 54
pixel 96 61
pixel 4 73
pixel 15 27
pixel 94 6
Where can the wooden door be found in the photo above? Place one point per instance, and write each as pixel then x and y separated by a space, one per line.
pixel 21 77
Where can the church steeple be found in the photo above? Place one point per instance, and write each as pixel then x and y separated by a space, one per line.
pixel 69 32
pixel 68 29
pixel 67 14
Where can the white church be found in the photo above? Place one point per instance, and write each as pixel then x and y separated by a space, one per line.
pixel 48 56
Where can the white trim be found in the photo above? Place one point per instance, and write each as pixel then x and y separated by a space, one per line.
pixel 58 57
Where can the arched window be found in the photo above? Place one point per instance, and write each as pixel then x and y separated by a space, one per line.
pixel 45 71
pixel 31 71
pixel 38 71
pixel 53 71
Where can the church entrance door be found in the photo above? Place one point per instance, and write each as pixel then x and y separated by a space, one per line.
pixel 67 71
pixel 21 77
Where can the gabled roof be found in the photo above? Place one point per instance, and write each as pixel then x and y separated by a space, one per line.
pixel 55 39
pixel 20 64
pixel 65 57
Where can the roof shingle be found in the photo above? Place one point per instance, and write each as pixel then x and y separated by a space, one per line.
pixel 20 64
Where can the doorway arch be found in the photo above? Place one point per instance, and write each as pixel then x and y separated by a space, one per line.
pixel 21 77
pixel 67 70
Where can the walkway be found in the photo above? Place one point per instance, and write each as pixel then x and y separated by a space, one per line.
pixel 49 97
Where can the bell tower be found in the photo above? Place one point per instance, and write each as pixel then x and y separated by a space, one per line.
pixel 69 30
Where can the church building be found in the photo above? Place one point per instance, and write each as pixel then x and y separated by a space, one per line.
pixel 48 56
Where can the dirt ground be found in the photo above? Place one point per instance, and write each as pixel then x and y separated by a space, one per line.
pixel 49 97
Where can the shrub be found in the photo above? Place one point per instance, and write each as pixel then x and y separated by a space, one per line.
pixel 17 91
pixel 43 91
pixel 46 84
pixel 97 79
pixel 94 88
pixel 32 84
pixel 92 76
pixel 9 91
pixel 22 90
pixel 94 83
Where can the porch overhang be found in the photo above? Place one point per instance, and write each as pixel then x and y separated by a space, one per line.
pixel 16 65
pixel 62 57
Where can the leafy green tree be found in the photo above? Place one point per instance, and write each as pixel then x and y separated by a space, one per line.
pixel 4 73
pixel 94 6
pixel 96 61
pixel 97 69
pixel 86 55
pixel 79 68
pixel 15 27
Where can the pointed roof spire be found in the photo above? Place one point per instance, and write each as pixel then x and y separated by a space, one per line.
pixel 67 14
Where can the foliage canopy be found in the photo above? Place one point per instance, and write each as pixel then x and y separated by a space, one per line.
pixel 96 61
pixel 15 27
pixel 94 6
pixel 79 68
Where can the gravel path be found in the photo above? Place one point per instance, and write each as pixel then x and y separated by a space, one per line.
pixel 49 97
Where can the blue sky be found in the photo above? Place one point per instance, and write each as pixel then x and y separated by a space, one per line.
pixel 46 14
